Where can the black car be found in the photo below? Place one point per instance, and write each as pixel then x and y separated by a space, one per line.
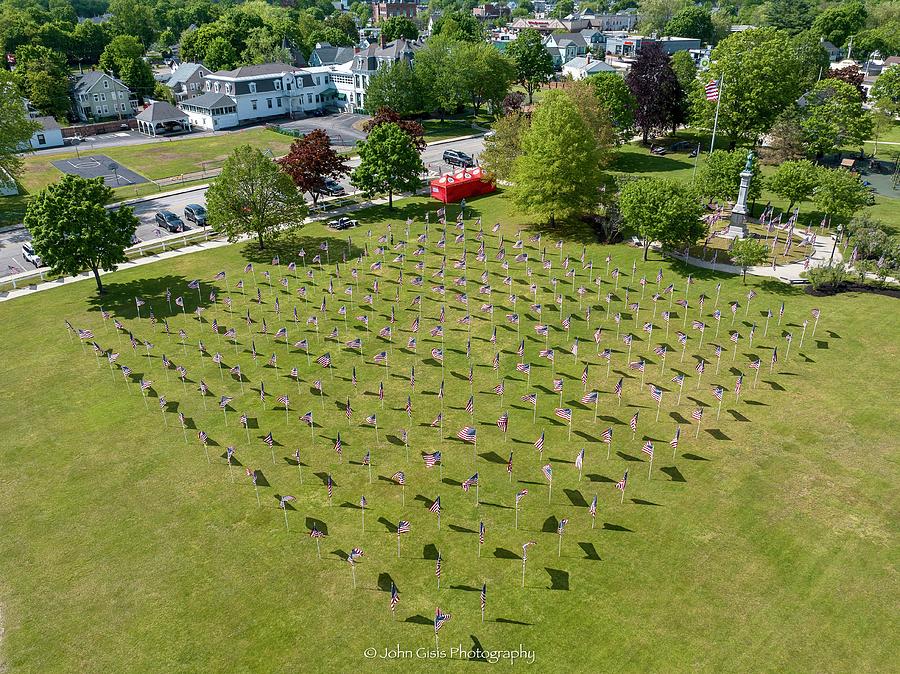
pixel 457 158
pixel 682 146
pixel 195 213
pixel 168 220
pixel 332 188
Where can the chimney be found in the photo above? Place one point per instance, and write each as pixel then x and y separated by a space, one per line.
pixel 382 40
pixel 589 57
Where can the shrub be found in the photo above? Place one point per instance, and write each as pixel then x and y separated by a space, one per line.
pixel 827 276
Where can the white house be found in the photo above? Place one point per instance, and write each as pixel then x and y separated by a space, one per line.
pixel 260 92
pixel 583 66
pixel 49 135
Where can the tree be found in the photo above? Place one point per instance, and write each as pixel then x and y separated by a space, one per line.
pixel 252 195
pixel 656 91
pixel 836 24
pixel 89 39
pixel 513 102
pixel 264 46
pixel 563 8
pixel 220 55
pixel 399 26
pixel 133 17
pixel 459 25
pixel 852 75
pixel 161 92
pixel 662 209
pixel 693 22
pixel 720 176
pixel 123 57
pixel 487 74
pixel 686 71
pixel 310 161
pixel 616 98
pixel 440 69
pixel 787 141
pixel 502 149
pixel 73 230
pixel 886 91
pixel 396 86
pixel 389 162
pixel 594 116
pixel 839 193
pixel 764 73
pixel 15 127
pixel 793 16
pixel 832 116
pixel 884 39
pixel 413 129
pixel 748 252
pixel 794 181
pixel 655 14
pixel 558 172
pixel 42 77
pixel 534 65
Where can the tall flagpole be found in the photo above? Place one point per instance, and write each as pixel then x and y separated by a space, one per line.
pixel 712 144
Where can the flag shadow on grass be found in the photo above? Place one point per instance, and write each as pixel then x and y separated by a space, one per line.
pixel 551 525
pixel 503 553
pixel 717 434
pixel 465 588
pixel 640 501
pixel 590 552
pixel 313 523
pixel 510 621
pixel 394 440
pixel 693 457
pixel 287 505
pixel 595 477
pixel 385 582
pixel 559 579
pixel 609 526
pixel 575 498
pixel 674 474
pixel 627 457
pixel 390 526
pixel 429 551
pixel 420 620
pixel 461 530
pixel 261 480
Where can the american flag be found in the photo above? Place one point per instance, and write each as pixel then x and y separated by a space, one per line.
pixel 774 355
pixel 634 421
pixel 698 325
pixel 338 445
pixel 367 459
pixel 562 525
pixel 701 365
pixel 431 459
pixel 558 385
pixel 439 619
pixel 269 440
pixel 481 533
pixel 530 398
pixel 437 420
pixel 203 437
pixel 470 482
pixel 308 418
pixel 606 436
pixel 754 364
pixel 470 405
pixel 499 389
pixel 620 485
pixel 467 433
pixel 737 384
pixel 697 414
pixel 395 597
pixel 329 484
pixel 539 443
pixel 712 90
pixel 408 406
pixel 563 413
pixel 380 357
pixel 403 527
pixel 548 472
pixel 682 338
pixel 656 393
pixel 717 392
pixel 436 506
pixel 145 383
pixel 648 449
pixel 674 441
pixel 224 400
pixel 590 398
pixel 438 355
pixel 579 459
pixel 355 554
pixel 525 547
pixel 399 477
pixel 637 365
pixel 618 388
pixel 324 360
pixel 735 337
pixel 523 367
pixel 503 421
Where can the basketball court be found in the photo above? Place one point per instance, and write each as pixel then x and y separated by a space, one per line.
pixel 100 166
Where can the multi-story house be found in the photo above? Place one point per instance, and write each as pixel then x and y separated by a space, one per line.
pixel 386 9
pixel 326 54
pixel 260 92
pixel 187 80
pixel 491 12
pixel 563 47
pixel 97 96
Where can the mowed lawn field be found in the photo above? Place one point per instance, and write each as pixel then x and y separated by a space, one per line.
pixel 768 544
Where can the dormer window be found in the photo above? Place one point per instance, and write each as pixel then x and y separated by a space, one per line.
pixel 253 87
pixel 207 85
pixel 299 83
pixel 277 85
pixel 217 87
pixel 227 88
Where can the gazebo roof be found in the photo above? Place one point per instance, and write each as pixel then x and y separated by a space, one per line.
pixel 161 111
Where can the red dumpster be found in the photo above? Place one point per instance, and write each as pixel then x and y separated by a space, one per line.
pixel 462 184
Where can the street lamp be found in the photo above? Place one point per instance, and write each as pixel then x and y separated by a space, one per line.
pixel 840 229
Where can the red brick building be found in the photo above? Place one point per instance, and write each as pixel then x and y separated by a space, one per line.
pixel 386 9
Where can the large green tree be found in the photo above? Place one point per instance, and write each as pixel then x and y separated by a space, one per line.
pixel 663 210
pixel 389 163
pixel 73 230
pixel 692 21
pixel 832 116
pixel 123 57
pixel 558 172
pixel 505 145
pixel 15 127
pixel 615 97
pixel 534 65
pixel 762 73
pixel 253 196
pixel 656 14
pixel 793 16
pixel 748 252
pixel 839 193
pixel 89 39
pixel 42 77
pixel 487 74
pixel 837 23
pixel 459 25
pixel 399 26
pixel 396 86
pixel 135 18
pixel 886 91
pixel 794 181
pixel 720 176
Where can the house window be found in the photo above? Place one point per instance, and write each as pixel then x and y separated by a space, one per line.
pixel 309 98
pixel 217 87
pixel 253 88
pixel 102 97
pixel 106 84
pixel 96 98
pixel 227 88
pixel 253 105
pixel 41 140
pixel 278 101
pixel 207 85
pixel 105 109
pixel 269 103
pixel 277 85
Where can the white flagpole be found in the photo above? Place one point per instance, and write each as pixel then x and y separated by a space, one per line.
pixel 712 144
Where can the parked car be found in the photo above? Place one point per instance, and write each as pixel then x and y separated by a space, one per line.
pixel 457 158
pixel 343 223
pixel 658 150
pixel 332 188
pixel 195 213
pixel 169 221
pixel 682 146
pixel 29 255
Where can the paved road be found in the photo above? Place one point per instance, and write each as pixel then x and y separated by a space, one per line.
pixel 12 262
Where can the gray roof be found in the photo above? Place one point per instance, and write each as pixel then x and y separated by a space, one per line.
pixel 592 66
pixel 257 71
pixel 185 72
pixel 209 101
pixel 566 38
pixel 47 123
pixel 161 111
pixel 330 55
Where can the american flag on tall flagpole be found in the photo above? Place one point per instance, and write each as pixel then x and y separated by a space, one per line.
pixel 712 90
pixel 467 433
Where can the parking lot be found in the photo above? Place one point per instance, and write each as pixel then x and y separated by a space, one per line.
pixel 338 126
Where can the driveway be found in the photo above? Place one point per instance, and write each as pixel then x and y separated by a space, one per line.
pixel 338 125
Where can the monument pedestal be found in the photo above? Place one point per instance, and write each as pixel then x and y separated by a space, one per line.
pixel 737 228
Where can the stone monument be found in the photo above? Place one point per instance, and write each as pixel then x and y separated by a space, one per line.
pixel 737 227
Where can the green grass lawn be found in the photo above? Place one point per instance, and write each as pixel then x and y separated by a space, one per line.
pixel 435 129
pixel 769 543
